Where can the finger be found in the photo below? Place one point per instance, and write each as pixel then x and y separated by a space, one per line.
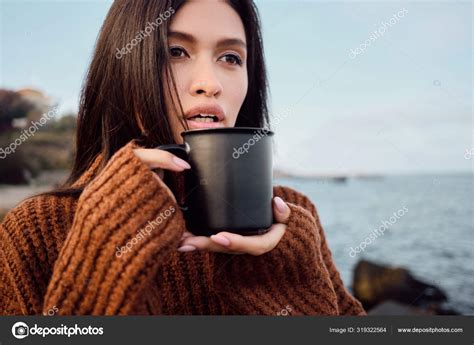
pixel 281 211
pixel 186 234
pixel 155 158
pixel 255 245
pixel 193 243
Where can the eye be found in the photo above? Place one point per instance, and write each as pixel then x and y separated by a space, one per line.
pixel 232 59
pixel 177 52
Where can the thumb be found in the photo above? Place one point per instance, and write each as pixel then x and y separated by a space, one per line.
pixel 281 211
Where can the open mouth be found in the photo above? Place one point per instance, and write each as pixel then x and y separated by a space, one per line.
pixel 204 118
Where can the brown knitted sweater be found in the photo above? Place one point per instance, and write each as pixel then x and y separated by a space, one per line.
pixel 58 253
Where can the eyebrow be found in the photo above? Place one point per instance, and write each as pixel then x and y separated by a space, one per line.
pixel 225 42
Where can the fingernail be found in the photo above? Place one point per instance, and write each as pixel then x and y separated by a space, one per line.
pixel 222 240
pixel 181 163
pixel 186 248
pixel 185 236
pixel 280 204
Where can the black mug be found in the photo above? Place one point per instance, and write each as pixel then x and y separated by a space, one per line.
pixel 229 186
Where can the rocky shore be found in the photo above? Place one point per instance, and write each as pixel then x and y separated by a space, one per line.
pixel 385 290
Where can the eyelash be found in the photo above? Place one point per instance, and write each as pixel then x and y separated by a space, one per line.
pixel 236 57
pixel 176 48
pixel 182 50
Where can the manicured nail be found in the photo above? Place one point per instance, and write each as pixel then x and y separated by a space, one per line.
pixel 181 163
pixel 186 248
pixel 280 204
pixel 186 234
pixel 222 240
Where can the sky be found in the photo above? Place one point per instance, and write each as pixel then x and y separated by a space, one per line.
pixel 400 104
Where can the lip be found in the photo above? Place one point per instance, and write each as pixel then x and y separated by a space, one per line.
pixel 214 109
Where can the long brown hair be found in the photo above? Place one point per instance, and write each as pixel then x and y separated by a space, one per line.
pixel 124 98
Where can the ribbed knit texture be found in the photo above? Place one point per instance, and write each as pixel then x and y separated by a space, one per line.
pixel 59 253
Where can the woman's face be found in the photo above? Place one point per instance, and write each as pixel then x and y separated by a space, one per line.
pixel 209 61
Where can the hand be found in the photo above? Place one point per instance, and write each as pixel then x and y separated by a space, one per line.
pixel 227 242
pixel 159 159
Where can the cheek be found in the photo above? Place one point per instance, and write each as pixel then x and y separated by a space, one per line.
pixel 170 98
pixel 180 78
pixel 237 91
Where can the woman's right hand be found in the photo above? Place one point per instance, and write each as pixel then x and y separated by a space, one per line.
pixel 159 159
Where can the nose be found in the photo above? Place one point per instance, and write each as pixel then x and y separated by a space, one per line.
pixel 205 81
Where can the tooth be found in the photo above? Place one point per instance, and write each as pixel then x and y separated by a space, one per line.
pixel 200 119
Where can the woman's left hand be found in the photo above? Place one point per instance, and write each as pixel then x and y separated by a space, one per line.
pixel 227 242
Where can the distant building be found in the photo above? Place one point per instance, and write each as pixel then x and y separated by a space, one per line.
pixel 20 122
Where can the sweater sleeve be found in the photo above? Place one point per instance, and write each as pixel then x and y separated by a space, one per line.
pixel 298 277
pixel 125 226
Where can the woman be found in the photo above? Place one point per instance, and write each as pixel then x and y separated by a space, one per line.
pixel 161 66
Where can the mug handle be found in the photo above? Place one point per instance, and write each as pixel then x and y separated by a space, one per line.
pixel 181 151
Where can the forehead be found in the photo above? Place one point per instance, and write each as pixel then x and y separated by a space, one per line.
pixel 208 20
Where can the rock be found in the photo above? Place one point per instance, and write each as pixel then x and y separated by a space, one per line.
pixel 374 284
pixel 395 308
